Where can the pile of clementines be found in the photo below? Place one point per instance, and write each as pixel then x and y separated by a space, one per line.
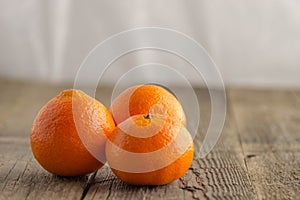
pixel 143 136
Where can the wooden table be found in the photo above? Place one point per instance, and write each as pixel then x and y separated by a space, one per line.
pixel 257 156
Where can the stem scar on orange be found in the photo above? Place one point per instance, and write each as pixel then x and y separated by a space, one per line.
pixel 69 134
pixel 142 99
pixel 149 150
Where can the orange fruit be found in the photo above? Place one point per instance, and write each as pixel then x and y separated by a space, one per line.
pixel 149 150
pixel 143 99
pixel 69 134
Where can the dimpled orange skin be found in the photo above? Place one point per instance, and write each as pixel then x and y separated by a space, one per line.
pixel 164 137
pixel 55 142
pixel 141 98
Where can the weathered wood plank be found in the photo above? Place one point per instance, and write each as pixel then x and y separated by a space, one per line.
pixel 220 175
pixel 276 175
pixel 269 129
pixel 108 186
pixel 21 177
pixel 267 120
pixel 224 174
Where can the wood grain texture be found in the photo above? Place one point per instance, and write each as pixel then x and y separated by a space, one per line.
pixel 256 157
pixel 276 175
pixel 268 124
pixel 22 178
pixel 267 120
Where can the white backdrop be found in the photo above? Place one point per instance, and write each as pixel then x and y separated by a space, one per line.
pixel 254 43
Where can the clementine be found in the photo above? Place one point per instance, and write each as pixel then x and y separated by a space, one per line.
pixel 149 150
pixel 143 99
pixel 69 134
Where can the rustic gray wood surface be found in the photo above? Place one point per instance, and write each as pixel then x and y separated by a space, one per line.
pixel 257 156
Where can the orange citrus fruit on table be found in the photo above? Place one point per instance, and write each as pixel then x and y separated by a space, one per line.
pixel 143 99
pixel 149 150
pixel 69 134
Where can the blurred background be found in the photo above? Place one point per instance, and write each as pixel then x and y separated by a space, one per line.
pixel 254 43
